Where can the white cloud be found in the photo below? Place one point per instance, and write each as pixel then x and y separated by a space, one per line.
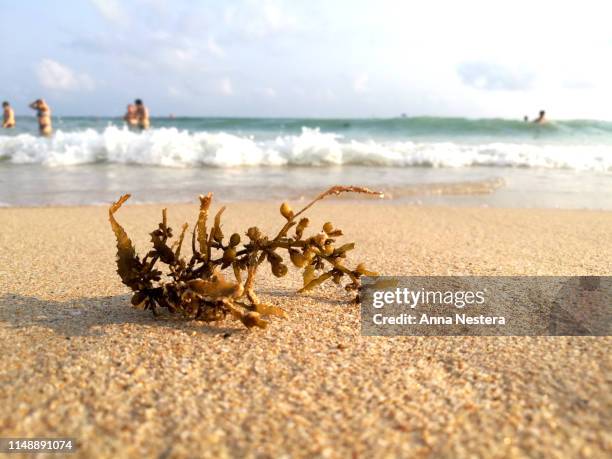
pixel 360 83
pixel 259 18
pixel 225 87
pixel 53 75
pixel 183 54
pixel 214 47
pixel 111 10
pixel 275 17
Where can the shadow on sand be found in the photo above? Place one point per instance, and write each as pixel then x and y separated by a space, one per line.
pixel 89 316
pixel 334 298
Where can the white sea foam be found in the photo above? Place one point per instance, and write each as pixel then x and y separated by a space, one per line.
pixel 172 147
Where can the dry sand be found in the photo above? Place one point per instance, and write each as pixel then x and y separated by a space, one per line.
pixel 78 361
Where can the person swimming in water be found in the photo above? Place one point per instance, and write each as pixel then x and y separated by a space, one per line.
pixel 142 114
pixel 8 118
pixel 131 117
pixel 541 119
pixel 43 113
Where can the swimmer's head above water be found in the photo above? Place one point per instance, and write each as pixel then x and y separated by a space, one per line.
pixel 541 117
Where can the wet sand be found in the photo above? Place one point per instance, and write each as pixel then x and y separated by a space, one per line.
pixel 78 361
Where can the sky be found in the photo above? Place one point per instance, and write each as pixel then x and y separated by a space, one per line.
pixel 320 58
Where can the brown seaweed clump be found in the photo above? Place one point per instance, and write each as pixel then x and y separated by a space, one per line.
pixel 197 289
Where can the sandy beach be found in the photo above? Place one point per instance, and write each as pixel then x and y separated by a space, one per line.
pixel 78 361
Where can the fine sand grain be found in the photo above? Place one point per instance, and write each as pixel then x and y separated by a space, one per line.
pixel 78 361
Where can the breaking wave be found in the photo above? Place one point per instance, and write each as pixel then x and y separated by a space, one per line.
pixel 172 147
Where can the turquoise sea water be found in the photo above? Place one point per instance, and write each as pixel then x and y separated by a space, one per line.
pixel 424 128
pixel 443 160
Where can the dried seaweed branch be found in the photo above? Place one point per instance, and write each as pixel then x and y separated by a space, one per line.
pixel 197 289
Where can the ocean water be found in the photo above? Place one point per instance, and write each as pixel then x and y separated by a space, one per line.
pixel 452 161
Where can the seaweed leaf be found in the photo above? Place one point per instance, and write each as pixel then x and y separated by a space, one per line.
pixel 200 228
pixel 216 287
pixel 339 189
pixel 216 234
pixel 309 274
pixel 316 282
pixel 177 252
pixel 128 263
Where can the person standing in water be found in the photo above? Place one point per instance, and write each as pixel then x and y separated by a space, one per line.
pixel 142 114
pixel 43 113
pixel 541 119
pixel 131 117
pixel 8 118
